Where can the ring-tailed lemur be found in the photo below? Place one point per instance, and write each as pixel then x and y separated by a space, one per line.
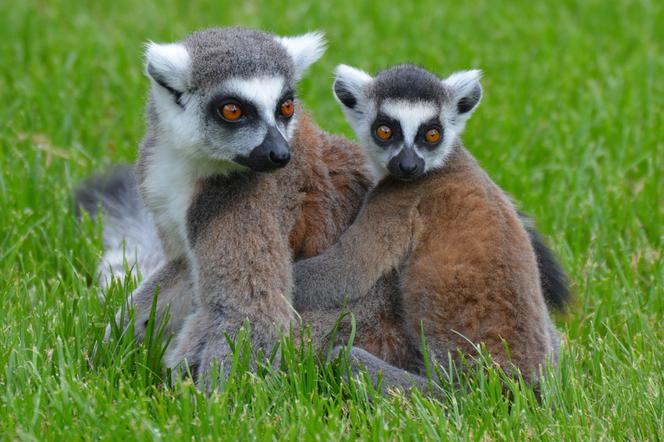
pixel 467 270
pixel 238 182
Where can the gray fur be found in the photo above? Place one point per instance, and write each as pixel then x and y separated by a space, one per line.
pixel 422 85
pixel 218 54
pixel 171 280
pixel 129 236
pixel 192 80
pixel 391 377
pixel 238 233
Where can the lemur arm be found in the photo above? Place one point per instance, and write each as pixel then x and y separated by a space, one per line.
pixel 335 182
pixel 240 250
pixel 377 242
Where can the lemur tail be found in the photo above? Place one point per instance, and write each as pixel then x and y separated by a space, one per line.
pixel 129 233
pixel 554 281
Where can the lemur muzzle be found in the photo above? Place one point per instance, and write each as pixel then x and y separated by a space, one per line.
pixel 272 153
pixel 407 164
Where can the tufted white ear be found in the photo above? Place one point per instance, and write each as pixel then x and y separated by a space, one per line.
pixel 304 49
pixel 466 89
pixel 169 65
pixel 348 86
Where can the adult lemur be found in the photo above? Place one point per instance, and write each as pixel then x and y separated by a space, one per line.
pixel 223 124
pixel 467 271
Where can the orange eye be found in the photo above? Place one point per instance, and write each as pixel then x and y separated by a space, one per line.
pixel 432 135
pixel 287 108
pixel 231 111
pixel 383 132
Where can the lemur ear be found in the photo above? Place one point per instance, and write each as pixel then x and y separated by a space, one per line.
pixel 169 65
pixel 349 84
pixel 304 49
pixel 466 90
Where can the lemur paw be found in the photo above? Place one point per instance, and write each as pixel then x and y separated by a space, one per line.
pixel 201 350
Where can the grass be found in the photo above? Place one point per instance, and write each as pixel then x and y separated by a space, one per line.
pixel 572 126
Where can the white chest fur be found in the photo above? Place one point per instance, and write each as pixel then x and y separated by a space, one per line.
pixel 169 188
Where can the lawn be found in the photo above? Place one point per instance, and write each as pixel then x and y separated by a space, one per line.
pixel 571 125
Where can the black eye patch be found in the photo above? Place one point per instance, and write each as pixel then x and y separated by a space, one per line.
pixel 392 124
pixel 289 94
pixel 421 137
pixel 249 112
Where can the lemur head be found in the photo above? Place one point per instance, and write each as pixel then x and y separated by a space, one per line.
pixel 227 95
pixel 406 118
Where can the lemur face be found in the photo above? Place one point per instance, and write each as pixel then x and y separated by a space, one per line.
pixel 228 95
pixel 406 118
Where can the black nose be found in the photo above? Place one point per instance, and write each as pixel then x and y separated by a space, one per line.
pixel 272 153
pixel 280 157
pixel 407 164
pixel 407 167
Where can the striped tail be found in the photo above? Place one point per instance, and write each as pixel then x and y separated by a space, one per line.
pixel 129 234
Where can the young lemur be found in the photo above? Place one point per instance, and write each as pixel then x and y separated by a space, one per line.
pixel 465 267
pixel 238 181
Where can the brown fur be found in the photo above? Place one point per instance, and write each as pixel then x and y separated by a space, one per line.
pixel 333 182
pixel 467 270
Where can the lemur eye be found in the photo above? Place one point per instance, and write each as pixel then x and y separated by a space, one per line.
pixel 230 111
pixel 432 135
pixel 384 132
pixel 287 108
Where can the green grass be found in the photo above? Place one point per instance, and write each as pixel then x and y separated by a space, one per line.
pixel 572 125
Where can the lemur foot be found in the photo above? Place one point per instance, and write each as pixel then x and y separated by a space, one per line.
pixel 393 379
pixel 204 347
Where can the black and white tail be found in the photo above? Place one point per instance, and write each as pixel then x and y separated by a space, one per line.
pixel 129 233
pixel 554 281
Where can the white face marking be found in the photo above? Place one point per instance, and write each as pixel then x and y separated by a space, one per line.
pixel 262 92
pixel 411 115
pixel 180 129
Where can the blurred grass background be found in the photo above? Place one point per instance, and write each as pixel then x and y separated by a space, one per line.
pixel 571 124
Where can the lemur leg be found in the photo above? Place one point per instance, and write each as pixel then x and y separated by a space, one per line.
pixel 377 242
pixel 373 361
pixel 379 328
pixel 241 258
pixel 376 349
pixel 392 377
pixel 174 285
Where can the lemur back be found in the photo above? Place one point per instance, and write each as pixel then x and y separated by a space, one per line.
pixel 467 270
